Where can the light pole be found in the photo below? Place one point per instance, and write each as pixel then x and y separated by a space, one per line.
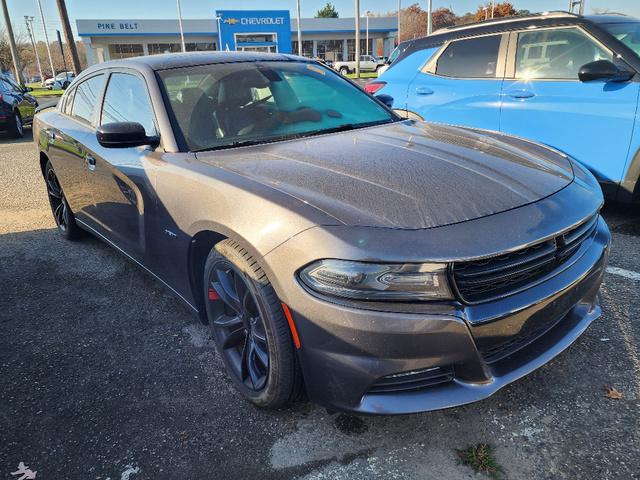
pixel 46 40
pixel 493 8
pixel 299 30
pixel 357 9
pixel 218 18
pixel 29 22
pixel 429 23
pixel 399 10
pixel 184 48
pixel 367 36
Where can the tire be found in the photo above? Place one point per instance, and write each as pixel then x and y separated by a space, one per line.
pixel 344 70
pixel 282 376
pixel 62 214
pixel 16 127
pixel 65 85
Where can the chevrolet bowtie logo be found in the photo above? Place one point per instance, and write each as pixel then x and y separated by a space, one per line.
pixel 231 21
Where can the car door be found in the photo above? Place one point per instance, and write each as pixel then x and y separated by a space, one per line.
pixel 545 101
pixel 66 150
pixel 121 183
pixel 461 85
pixel 26 104
pixel 367 63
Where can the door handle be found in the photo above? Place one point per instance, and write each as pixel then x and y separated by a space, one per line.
pixel 521 93
pixel 423 91
pixel 90 162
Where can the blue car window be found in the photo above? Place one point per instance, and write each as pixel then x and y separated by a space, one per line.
pixel 556 53
pixel 472 58
pixel 627 32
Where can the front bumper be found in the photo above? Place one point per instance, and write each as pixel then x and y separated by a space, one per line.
pixel 346 349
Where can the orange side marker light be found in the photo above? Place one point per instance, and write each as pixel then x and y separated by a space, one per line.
pixel 292 326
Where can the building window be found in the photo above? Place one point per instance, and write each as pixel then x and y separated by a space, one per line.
pixel 351 47
pixel 330 50
pixel 125 50
pixel 307 48
pixel 200 46
pixel 156 48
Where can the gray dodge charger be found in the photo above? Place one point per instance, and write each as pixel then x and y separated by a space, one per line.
pixel 382 265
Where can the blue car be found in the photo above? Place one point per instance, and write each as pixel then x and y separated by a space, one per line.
pixel 567 81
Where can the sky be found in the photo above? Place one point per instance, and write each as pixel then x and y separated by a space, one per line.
pixel 142 9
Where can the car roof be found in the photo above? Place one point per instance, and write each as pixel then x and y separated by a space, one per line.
pixel 178 60
pixel 501 25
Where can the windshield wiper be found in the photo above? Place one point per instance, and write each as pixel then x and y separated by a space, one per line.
pixel 321 131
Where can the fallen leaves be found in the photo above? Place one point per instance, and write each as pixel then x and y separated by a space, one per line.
pixel 611 392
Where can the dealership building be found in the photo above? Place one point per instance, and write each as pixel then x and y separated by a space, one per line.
pixel 266 31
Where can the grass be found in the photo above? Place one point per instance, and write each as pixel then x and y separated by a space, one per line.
pixel 40 91
pixel 364 75
pixel 480 458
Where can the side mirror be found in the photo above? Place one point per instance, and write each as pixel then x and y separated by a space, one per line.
pixel 124 135
pixel 386 99
pixel 603 70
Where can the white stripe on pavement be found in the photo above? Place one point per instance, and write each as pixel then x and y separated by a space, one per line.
pixel 624 273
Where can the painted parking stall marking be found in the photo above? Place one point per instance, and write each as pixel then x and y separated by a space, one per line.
pixel 624 273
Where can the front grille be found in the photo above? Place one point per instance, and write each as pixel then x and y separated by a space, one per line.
pixel 413 380
pixel 483 280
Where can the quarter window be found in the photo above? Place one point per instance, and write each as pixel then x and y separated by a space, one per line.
pixel 473 58
pixel 127 100
pixel 556 54
pixel 86 96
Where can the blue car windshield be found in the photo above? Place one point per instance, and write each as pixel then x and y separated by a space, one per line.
pixel 627 32
pixel 235 104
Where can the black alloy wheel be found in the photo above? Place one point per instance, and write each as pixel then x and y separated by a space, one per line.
pixel 64 218
pixel 249 326
pixel 239 328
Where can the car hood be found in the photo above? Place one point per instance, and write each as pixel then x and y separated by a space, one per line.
pixel 406 175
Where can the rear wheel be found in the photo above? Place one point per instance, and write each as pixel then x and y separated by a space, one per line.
pixel 249 327
pixel 62 214
pixel 344 70
pixel 16 128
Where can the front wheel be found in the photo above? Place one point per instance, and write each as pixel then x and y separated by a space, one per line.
pixel 62 214
pixel 249 327
pixel 344 70
pixel 16 128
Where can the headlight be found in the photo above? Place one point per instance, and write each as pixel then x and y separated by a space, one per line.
pixel 370 281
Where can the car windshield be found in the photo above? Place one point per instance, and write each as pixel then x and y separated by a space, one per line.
pixel 628 33
pixel 234 104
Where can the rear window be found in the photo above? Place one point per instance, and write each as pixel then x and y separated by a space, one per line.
pixel 473 58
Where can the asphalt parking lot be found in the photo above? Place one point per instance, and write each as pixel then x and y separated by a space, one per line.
pixel 104 375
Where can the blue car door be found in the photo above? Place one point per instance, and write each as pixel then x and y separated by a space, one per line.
pixel 544 100
pixel 461 84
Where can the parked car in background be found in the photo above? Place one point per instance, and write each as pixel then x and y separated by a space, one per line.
pixel 388 265
pixel 368 63
pixel 36 79
pixel 566 81
pixel 17 107
pixel 60 81
pixel 387 61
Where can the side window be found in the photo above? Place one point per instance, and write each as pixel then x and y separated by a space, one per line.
pixel 86 96
pixel 473 58
pixel 127 100
pixel 556 53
